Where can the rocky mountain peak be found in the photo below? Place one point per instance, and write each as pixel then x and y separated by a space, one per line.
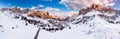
pixel 97 8
pixel 15 9
pixel 43 14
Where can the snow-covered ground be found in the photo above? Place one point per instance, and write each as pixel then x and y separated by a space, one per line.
pixel 96 28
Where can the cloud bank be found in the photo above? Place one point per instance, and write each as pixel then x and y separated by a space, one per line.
pixel 58 12
pixel 78 4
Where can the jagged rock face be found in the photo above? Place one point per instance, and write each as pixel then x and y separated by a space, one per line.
pixel 105 9
pixel 102 9
pixel 106 13
pixel 16 10
pixel 4 9
pixel 84 19
pixel 97 8
pixel 112 17
pixel 25 10
pixel 43 14
pixel 40 14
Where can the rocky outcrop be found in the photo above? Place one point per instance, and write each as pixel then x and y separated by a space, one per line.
pixel 107 13
pixel 26 10
pixel 108 17
pixel 43 14
pixel 97 8
pixel 40 14
pixel 84 11
pixel 84 19
pixel 16 10
pixel 4 9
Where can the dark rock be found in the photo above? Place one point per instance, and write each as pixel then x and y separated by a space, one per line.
pixel 13 27
pixel 69 27
pixel 111 22
pixel 118 22
pixel 51 26
pixel 78 22
pixel 23 18
pixel 16 17
pixel 84 19
pixel 26 23
pixel 89 32
pixel 25 10
pixel 16 26
pixel 2 31
pixel 1 26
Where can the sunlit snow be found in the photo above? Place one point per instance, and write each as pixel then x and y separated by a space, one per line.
pixel 96 28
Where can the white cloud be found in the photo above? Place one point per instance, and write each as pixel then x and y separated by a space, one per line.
pixel 50 9
pixel 54 11
pixel 78 4
pixel 41 5
pixel 58 12
pixel 33 7
pixel 38 7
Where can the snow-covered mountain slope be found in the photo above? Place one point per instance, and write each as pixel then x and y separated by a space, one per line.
pixel 88 26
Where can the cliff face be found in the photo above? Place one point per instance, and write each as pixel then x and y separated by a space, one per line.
pixel 16 10
pixel 97 8
pixel 43 14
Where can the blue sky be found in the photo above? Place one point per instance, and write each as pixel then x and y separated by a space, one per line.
pixel 31 3
pixel 45 3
